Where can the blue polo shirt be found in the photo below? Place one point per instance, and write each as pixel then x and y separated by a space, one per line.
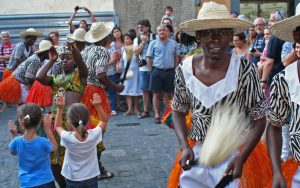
pixel 163 55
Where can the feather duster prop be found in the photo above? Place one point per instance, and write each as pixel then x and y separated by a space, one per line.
pixel 227 132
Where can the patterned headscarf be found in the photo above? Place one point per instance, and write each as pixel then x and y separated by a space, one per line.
pixel 64 50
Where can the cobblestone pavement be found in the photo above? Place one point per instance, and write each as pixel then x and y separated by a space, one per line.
pixel 140 155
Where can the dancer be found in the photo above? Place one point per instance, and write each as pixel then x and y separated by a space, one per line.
pixel 204 81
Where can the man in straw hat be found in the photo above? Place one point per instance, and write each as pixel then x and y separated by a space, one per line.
pixel 15 88
pixel 22 50
pixel 96 58
pixel 285 105
pixel 202 82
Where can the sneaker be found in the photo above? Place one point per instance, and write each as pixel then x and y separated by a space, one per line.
pixel 113 113
pixel 104 174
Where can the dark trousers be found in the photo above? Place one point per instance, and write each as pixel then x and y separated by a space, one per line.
pixel 60 179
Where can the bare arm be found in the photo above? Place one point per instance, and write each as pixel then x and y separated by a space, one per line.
pixel 41 75
pixel 58 118
pixel 93 19
pixel 268 65
pixel 70 22
pixel 108 83
pixel 83 71
pixel 149 63
pixel 46 125
pixel 102 115
pixel 290 58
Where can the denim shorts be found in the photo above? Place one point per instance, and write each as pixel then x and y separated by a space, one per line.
pixel 144 80
pixel 89 183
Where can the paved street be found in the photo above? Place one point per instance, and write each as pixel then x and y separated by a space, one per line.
pixel 140 155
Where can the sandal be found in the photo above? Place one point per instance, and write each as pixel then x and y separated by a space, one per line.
pixel 157 120
pixel 144 115
pixel 104 174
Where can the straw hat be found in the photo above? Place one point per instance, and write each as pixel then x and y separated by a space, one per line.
pixel 44 46
pixel 98 31
pixel 214 16
pixel 284 29
pixel 30 32
pixel 78 35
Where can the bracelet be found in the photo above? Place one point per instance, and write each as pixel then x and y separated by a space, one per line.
pixel 263 81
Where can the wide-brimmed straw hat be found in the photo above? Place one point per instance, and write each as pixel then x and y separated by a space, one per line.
pixel 98 31
pixel 214 16
pixel 284 29
pixel 44 46
pixel 30 32
pixel 78 35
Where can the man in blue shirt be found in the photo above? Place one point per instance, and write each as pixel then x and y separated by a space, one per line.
pixel 259 44
pixel 162 59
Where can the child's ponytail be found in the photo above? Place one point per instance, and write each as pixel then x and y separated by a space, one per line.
pixel 81 129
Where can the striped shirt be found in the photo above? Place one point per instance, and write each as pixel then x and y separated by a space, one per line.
pixel 5 50
pixel 241 85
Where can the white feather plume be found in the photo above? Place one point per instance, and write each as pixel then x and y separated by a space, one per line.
pixel 228 131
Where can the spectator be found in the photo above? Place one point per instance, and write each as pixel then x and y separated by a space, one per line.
pixel 131 86
pixel 240 46
pixel 140 46
pixel 251 36
pixel 169 14
pixel 6 50
pixel 169 31
pixel 82 23
pixel 55 38
pixel 263 58
pixel 258 46
pixel 162 59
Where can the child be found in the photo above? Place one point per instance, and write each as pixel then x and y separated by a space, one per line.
pixel 168 14
pixel 80 167
pixel 33 151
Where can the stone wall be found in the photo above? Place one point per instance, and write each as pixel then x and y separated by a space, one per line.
pixel 130 11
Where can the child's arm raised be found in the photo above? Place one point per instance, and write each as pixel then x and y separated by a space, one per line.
pixel 58 118
pixel 13 133
pixel 46 125
pixel 102 115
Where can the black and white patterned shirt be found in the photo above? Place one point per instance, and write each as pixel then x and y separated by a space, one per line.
pixel 285 103
pixel 240 85
pixel 27 68
pixel 20 53
pixel 96 59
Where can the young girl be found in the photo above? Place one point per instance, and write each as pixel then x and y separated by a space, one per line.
pixel 33 151
pixel 80 167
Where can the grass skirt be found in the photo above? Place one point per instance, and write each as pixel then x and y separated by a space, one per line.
pixel 10 90
pixel 40 94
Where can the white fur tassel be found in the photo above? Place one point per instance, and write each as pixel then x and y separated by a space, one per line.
pixel 226 133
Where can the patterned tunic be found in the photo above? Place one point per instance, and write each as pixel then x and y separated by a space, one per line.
pixel 20 53
pixel 33 62
pixel 241 85
pixel 285 102
pixel 96 58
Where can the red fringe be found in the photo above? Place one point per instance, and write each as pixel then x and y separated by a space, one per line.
pixel 88 96
pixel 40 94
pixel 257 171
pixel 10 90
pixel 173 180
pixel 289 168
pixel 6 73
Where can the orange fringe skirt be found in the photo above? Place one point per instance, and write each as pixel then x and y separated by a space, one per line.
pixel 6 73
pixel 257 171
pixel 40 94
pixel 88 97
pixel 10 90
pixel 289 169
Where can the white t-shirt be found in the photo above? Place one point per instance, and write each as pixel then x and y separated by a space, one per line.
pixel 80 161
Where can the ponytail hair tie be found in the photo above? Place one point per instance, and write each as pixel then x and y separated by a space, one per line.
pixel 80 122
pixel 27 116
